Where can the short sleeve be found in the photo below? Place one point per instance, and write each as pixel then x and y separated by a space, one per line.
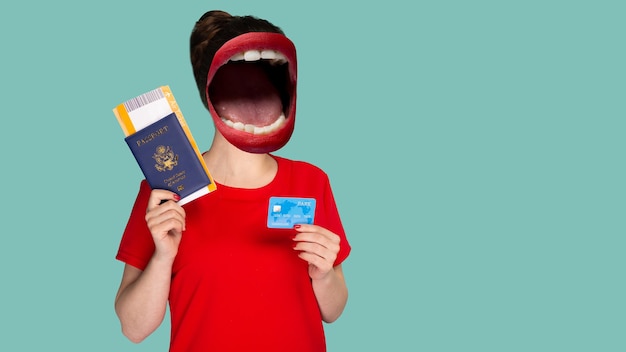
pixel 136 246
pixel 333 223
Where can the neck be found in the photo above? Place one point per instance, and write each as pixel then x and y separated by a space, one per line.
pixel 233 167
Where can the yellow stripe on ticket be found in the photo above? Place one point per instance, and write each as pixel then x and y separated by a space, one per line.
pixel 124 120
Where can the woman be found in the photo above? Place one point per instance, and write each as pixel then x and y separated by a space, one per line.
pixel 232 282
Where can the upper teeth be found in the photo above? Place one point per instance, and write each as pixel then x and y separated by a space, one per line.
pixel 275 57
pixel 256 129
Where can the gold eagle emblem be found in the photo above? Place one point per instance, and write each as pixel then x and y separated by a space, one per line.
pixel 165 158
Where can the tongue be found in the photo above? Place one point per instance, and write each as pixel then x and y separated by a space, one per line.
pixel 242 92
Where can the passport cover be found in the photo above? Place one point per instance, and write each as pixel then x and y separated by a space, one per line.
pixel 163 146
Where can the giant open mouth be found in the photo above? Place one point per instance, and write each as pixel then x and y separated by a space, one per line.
pixel 251 91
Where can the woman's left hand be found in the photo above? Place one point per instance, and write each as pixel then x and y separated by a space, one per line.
pixel 319 247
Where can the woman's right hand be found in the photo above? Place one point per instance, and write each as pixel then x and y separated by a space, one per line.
pixel 166 220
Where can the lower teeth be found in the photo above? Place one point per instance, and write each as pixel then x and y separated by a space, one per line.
pixel 256 129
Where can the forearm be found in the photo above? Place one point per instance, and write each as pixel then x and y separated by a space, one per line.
pixel 332 294
pixel 141 305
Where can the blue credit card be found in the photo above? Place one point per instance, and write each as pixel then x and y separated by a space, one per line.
pixel 285 212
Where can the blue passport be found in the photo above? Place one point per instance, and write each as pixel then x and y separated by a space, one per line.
pixel 167 158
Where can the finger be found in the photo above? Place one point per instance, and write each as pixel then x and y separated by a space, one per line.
pixel 328 239
pixel 165 213
pixel 321 264
pixel 325 253
pixel 160 215
pixel 164 208
pixel 307 228
pixel 165 227
pixel 158 196
pixel 303 228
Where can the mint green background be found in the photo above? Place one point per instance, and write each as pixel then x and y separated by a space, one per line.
pixel 476 151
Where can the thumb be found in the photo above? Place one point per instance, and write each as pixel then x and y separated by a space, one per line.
pixel 160 196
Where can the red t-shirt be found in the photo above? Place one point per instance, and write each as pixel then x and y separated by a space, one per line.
pixel 236 284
